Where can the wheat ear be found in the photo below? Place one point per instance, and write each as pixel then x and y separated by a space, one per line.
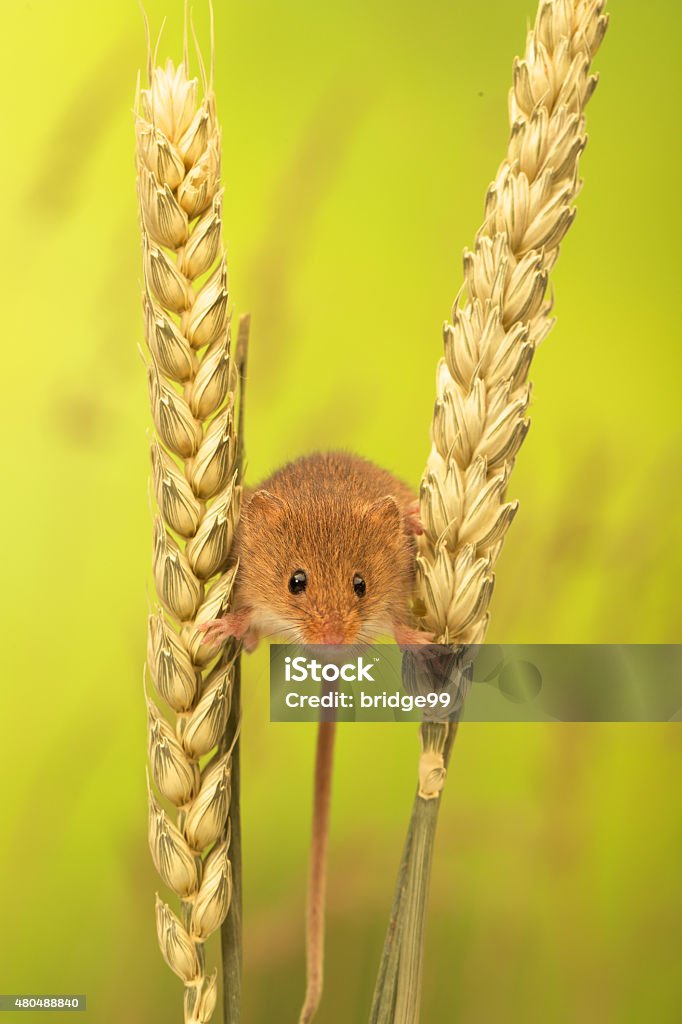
pixel 483 393
pixel 480 418
pixel 194 452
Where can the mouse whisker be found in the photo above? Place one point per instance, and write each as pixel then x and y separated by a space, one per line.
pixel 282 631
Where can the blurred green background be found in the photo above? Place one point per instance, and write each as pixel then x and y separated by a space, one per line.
pixel 359 139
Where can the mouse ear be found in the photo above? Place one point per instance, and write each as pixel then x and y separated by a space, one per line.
pixel 385 510
pixel 266 505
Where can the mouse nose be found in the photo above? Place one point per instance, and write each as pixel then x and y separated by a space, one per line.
pixel 333 635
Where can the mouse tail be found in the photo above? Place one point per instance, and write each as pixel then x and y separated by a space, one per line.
pixel 317 880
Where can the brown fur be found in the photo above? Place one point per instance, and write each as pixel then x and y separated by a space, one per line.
pixel 332 515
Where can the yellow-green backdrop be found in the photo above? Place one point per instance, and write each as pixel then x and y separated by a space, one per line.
pixel 359 139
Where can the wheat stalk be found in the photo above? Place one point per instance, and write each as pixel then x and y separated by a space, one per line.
pixel 195 473
pixel 480 418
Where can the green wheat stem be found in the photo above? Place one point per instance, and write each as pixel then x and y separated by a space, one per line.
pixel 231 928
pixel 398 985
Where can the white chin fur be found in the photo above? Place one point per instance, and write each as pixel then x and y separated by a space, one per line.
pixel 275 628
pixel 285 631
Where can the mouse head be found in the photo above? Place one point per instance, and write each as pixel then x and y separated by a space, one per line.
pixel 324 571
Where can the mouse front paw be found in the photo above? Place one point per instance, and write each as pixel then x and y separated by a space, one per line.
pixel 216 632
pixel 232 626
pixel 406 636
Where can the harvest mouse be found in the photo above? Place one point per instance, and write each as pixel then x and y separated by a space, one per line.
pixel 326 555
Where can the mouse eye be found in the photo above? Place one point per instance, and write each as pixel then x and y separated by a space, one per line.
pixel 298 582
pixel 359 585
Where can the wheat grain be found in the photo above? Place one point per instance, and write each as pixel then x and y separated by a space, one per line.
pixel 192 382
